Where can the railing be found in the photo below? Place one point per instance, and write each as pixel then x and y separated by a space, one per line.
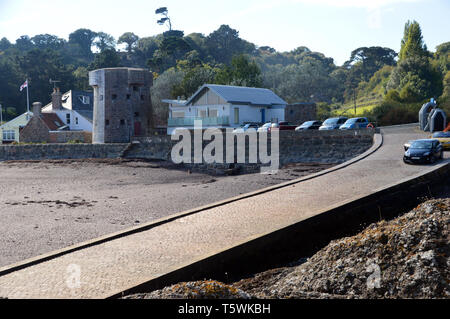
pixel 206 121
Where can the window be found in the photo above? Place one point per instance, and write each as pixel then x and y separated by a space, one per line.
pixel 76 120
pixel 201 113
pixel 136 114
pixel 9 135
pixel 128 96
pixel 213 113
pixel 135 88
pixel 84 99
pixel 177 114
pixel 114 96
pixel 122 122
pixel 142 97
pixel 68 118
pixel 106 122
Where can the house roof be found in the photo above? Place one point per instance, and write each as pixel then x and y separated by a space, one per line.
pixel 17 120
pixel 241 95
pixel 52 121
pixel 73 100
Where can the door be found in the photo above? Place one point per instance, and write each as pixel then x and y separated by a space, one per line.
pixel 137 128
pixel 263 115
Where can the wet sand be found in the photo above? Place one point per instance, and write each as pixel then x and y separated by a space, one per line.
pixel 48 205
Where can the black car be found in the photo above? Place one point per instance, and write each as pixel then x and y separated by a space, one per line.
pixel 309 125
pixel 423 151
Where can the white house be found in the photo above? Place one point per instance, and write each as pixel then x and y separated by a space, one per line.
pixel 225 106
pixel 74 108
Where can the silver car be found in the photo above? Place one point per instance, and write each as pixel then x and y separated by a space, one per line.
pixel 333 123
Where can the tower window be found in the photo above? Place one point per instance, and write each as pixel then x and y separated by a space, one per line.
pixel 106 122
pixel 142 97
pixel 128 96
pixel 122 122
pixel 114 96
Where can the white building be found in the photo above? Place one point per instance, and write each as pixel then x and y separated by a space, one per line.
pixel 225 106
pixel 74 108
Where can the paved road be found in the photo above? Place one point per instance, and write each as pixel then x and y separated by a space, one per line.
pixel 112 266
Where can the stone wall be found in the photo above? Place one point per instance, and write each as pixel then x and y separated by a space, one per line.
pixel 298 113
pixel 60 151
pixel 294 147
pixel 66 136
pixel 334 146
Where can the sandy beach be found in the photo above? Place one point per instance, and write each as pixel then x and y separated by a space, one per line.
pixel 48 205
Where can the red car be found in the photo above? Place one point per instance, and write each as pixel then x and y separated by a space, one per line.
pixel 282 126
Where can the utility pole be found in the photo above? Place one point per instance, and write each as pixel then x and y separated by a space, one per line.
pixel 354 99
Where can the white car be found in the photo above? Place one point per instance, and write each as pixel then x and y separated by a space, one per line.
pixel 245 127
pixel 265 127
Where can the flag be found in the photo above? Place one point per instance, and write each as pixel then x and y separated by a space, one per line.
pixel 24 85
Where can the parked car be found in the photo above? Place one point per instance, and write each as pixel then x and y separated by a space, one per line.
pixel 333 123
pixel 282 126
pixel 309 125
pixel 245 127
pixel 355 123
pixel 443 138
pixel 407 145
pixel 423 151
pixel 264 127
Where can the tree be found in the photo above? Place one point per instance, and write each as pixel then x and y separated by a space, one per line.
pixel 41 65
pixel 47 41
pixel 130 39
pixel 5 44
pixel 84 38
pixel 108 58
pixel 412 44
pixel 194 77
pixel 24 43
pixel 165 18
pixel 242 72
pixel 104 41
pixel 162 89
pixel 224 43
pixel 369 60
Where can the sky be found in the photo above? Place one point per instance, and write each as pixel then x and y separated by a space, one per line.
pixel 332 27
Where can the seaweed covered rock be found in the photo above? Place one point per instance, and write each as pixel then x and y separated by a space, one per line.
pixel 407 257
pixel 206 289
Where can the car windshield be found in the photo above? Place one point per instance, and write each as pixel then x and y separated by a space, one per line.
pixel 421 144
pixel 330 121
pixel 267 124
pixel 308 123
pixel 442 134
pixel 351 121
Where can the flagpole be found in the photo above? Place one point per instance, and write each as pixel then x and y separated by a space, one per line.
pixel 28 99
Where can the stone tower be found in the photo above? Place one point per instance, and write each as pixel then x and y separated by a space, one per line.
pixel 122 104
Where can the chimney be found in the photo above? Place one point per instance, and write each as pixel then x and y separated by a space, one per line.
pixel 37 108
pixel 56 99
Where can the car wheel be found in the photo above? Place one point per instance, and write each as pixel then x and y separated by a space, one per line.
pixel 432 159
